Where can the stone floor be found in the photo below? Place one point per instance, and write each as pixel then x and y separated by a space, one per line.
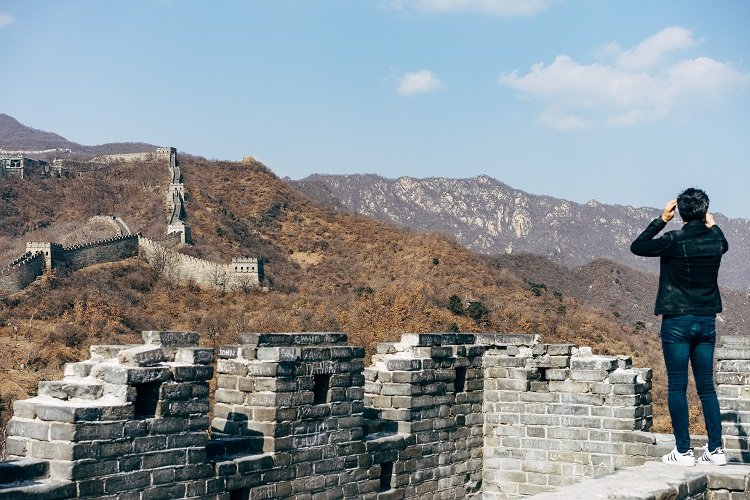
pixel 659 481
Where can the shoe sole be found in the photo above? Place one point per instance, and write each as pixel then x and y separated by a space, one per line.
pixel 670 462
pixel 708 462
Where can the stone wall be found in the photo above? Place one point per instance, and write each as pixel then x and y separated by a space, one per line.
pixel 297 415
pixel 22 271
pixel 131 422
pixel 98 252
pixel 125 157
pixel 429 389
pixel 180 267
pixel 733 390
pixel 557 413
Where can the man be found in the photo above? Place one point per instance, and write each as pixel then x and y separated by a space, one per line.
pixel 688 300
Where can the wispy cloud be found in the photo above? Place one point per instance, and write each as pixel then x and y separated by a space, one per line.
pixel 418 82
pixel 640 84
pixel 501 8
pixel 5 20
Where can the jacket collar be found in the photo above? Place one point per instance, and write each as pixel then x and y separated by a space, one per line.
pixel 695 225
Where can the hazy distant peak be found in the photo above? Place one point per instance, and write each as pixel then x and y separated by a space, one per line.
pixel 491 217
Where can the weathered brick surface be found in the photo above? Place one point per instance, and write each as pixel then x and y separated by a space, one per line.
pixel 298 415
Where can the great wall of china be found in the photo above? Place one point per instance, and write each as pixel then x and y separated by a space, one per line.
pixel 241 273
pixel 298 415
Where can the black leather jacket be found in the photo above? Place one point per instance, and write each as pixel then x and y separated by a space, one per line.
pixel 690 259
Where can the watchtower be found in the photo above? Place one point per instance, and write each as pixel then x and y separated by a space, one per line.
pixel 52 251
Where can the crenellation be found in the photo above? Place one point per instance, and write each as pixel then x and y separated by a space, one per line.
pixel 22 271
pixel 298 415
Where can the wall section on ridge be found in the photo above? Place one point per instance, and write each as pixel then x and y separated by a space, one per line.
pixel 18 274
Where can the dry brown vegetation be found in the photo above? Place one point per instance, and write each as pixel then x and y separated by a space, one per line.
pixel 326 271
pixel 52 209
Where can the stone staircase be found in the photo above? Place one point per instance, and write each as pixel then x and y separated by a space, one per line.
pixel 24 478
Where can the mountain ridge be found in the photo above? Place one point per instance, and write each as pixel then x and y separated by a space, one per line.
pixel 15 136
pixel 491 217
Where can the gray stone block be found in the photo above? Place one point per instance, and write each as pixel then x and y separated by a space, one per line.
pixel 738 353
pixel 86 431
pixel 66 412
pixel 116 374
pixel 106 352
pixel 191 372
pixel 67 389
pixel 402 364
pixel 195 355
pixel 607 363
pixel 278 353
pixel 80 369
pixel 62 450
pixel 17 446
pixel 29 428
pixel 588 375
pixel 171 338
pixel 145 355
pixel 228 351
pixel 127 481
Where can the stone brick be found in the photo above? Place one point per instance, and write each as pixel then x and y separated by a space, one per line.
pixel 739 353
pixel 171 338
pixel 28 428
pixel 228 351
pixel 395 364
pixel 191 372
pixel 278 353
pixel 195 355
pixel 66 389
pixel 66 412
pixel 145 355
pixel 127 481
pixel 106 352
pixel 607 363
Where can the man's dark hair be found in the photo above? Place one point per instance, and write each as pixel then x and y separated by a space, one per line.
pixel 692 204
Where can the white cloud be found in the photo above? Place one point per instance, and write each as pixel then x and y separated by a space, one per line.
pixel 501 8
pixel 418 82
pixel 5 19
pixel 638 85
pixel 654 49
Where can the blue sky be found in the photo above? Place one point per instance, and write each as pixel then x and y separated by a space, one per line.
pixel 622 101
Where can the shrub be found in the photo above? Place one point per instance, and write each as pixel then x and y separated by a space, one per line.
pixel 478 312
pixel 455 305
pixel 536 288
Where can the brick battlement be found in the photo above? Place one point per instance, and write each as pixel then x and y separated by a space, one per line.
pixel 106 241
pixel 17 262
pixel 298 415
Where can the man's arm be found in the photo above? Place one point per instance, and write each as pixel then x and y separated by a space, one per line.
pixel 711 224
pixel 645 245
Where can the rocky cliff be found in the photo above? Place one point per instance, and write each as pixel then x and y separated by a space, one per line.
pixel 491 217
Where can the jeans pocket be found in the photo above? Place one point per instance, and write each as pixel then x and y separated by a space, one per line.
pixel 675 329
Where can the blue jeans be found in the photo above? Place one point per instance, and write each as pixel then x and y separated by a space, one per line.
pixel 692 338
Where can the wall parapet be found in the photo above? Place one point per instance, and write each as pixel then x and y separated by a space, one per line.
pixel 181 267
pixel 299 415
pixel 22 271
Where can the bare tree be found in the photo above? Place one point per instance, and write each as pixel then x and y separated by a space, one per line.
pixel 164 261
pixel 218 277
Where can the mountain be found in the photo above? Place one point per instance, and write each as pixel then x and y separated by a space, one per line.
pixel 493 218
pixel 15 136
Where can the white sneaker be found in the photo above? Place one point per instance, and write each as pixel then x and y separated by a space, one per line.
pixel 686 459
pixel 716 457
